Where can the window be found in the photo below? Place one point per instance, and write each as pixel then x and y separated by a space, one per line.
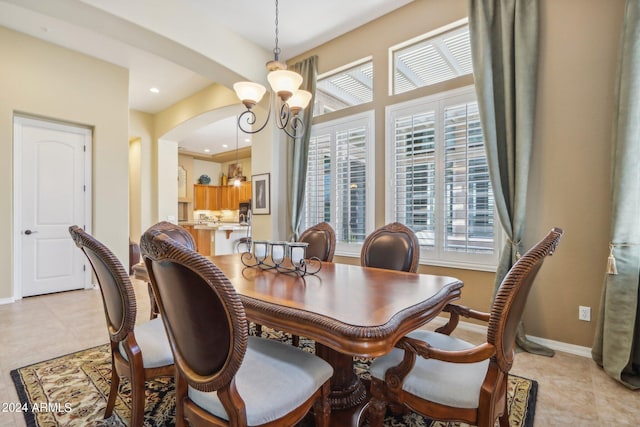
pixel 432 59
pixel 439 179
pixel 339 177
pixel 345 87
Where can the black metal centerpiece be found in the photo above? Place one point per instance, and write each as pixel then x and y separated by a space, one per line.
pixel 283 257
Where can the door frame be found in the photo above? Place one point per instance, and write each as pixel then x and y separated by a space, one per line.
pixel 18 121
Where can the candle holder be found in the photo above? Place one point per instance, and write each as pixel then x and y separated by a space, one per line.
pixel 284 257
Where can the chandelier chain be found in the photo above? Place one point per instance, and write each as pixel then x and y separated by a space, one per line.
pixel 276 50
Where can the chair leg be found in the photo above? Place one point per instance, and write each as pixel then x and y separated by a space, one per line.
pixel 377 409
pixel 258 330
pixel 295 340
pixel 113 392
pixel 137 401
pixel 322 408
pixel 504 419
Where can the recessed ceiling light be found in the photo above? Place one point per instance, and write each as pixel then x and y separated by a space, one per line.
pixel 206 150
pixel 224 146
pixel 247 140
pixel 154 90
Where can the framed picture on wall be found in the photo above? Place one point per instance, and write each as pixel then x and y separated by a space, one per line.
pixel 261 194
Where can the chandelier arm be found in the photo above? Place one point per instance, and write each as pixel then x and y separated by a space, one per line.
pixel 297 124
pixel 283 117
pixel 250 118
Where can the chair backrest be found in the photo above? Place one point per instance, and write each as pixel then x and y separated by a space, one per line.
pixel 177 233
pixel 393 246
pixel 117 292
pixel 511 298
pixel 203 316
pixel 322 241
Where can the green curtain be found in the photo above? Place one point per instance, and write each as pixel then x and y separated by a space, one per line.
pixel 504 48
pixel 615 348
pixel 297 150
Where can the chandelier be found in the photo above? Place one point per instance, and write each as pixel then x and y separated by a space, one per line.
pixel 284 84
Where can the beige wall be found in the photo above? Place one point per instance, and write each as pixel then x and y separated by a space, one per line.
pixel 569 184
pixel 44 80
pixel 143 152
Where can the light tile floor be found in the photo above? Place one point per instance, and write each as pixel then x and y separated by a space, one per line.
pixel 573 390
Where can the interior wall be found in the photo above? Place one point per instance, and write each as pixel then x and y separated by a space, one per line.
pixel 569 183
pixel 45 80
pixel 141 129
pixel 135 187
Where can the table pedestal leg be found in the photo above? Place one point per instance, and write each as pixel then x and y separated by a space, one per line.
pixel 347 391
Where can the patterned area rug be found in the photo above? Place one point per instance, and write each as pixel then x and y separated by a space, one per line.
pixel 72 390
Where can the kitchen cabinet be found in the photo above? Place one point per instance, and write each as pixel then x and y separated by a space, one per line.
pixel 245 191
pixel 200 196
pixel 206 197
pixel 216 198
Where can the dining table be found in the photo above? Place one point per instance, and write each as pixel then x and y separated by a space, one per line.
pixel 348 310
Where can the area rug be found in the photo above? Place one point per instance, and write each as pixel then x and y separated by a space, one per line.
pixel 72 390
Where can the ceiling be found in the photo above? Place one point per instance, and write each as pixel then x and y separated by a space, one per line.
pixel 174 45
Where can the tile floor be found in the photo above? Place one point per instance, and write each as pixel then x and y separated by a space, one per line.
pixel 573 390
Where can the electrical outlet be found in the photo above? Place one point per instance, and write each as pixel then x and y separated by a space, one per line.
pixel 584 313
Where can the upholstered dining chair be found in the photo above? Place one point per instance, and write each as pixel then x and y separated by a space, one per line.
pixel 224 376
pixel 139 352
pixel 393 246
pixel 322 241
pixel 180 235
pixel 449 379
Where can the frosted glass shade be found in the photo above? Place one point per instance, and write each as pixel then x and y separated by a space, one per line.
pixel 284 82
pixel 249 93
pixel 299 100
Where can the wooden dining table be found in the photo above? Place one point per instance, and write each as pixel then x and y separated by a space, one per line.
pixel 348 310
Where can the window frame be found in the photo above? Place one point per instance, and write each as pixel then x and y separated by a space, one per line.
pixel 367 119
pixel 438 256
pixel 344 69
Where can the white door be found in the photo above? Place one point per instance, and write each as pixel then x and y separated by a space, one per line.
pixel 52 193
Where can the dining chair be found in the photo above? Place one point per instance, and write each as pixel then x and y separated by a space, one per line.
pixel 393 246
pixel 140 351
pixel 322 241
pixel 179 234
pixel 448 379
pixel 224 376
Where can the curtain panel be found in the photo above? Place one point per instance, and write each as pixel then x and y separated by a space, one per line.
pixel 504 48
pixel 617 343
pixel 298 149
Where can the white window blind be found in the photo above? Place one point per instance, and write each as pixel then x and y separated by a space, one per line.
pixel 432 60
pixel 339 184
pixel 439 179
pixel 345 87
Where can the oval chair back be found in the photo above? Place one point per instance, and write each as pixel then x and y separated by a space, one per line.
pixel 322 241
pixel 393 246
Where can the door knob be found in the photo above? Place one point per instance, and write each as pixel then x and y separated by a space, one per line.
pixel 27 232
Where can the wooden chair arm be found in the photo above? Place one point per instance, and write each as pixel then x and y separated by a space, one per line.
pixel 395 376
pixel 455 312
pixel 423 349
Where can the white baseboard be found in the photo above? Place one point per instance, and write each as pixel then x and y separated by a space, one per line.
pixel 552 344
pixel 6 300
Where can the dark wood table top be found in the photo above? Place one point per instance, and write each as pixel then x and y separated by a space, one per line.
pixel 355 310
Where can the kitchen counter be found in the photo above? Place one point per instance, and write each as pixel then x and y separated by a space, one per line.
pixel 222 236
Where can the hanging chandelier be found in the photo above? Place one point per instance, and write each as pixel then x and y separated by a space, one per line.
pixel 284 84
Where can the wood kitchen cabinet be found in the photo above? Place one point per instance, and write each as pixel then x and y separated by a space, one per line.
pixel 216 198
pixel 245 191
pixel 200 197
pixel 206 197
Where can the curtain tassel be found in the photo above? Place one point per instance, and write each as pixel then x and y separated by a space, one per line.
pixel 611 262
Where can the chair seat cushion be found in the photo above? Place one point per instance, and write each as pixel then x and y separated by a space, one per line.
pixel 153 342
pixel 452 384
pixel 274 379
